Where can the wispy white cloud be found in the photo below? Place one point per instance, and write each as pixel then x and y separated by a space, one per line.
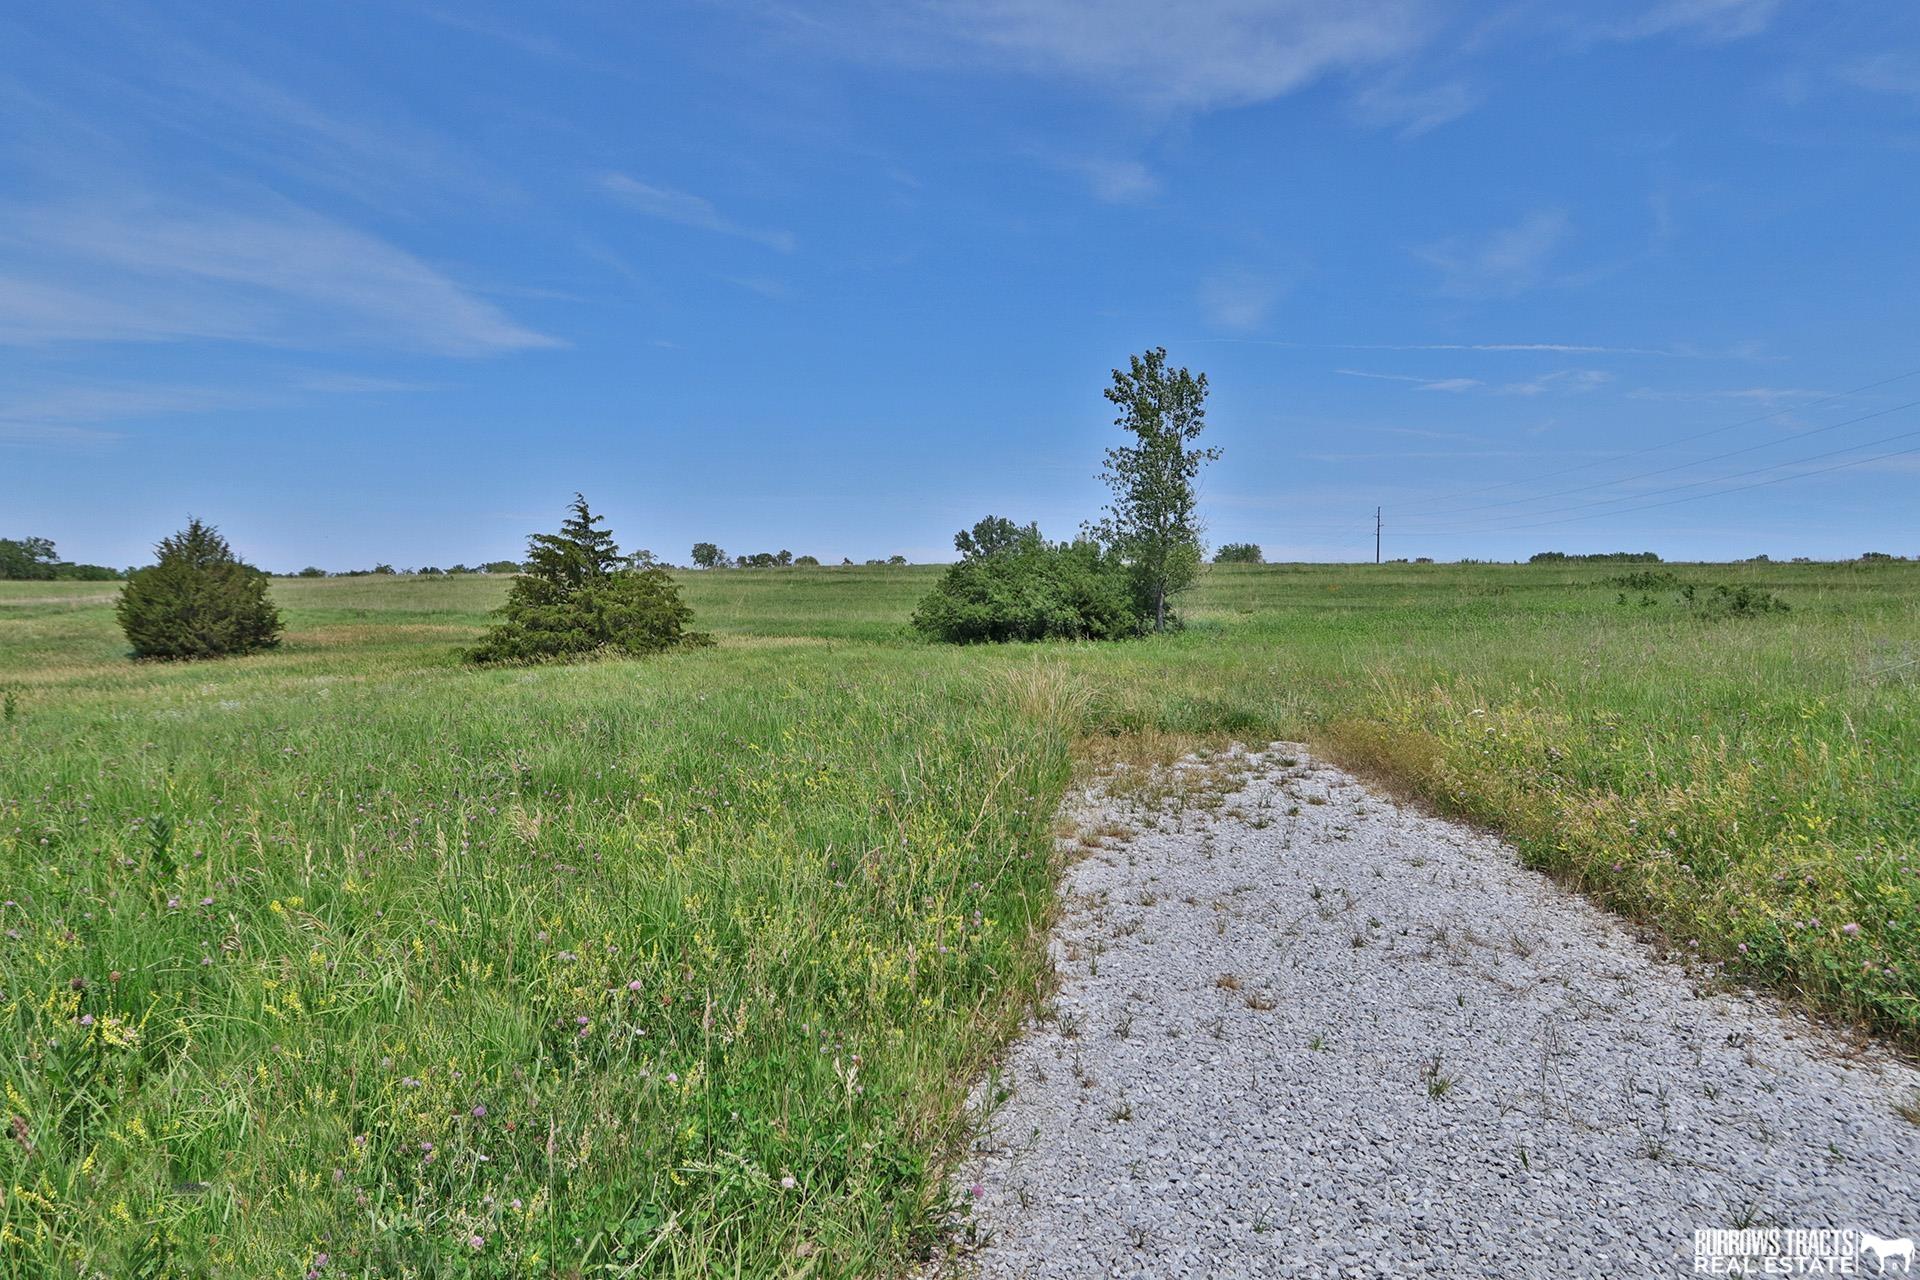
pixel 1165 57
pixel 240 92
pixel 101 404
pixel 97 414
pixel 1759 395
pixel 689 210
pixel 43 435
pixel 1114 181
pixel 765 286
pixel 1389 104
pixel 1238 299
pixel 138 270
pixel 1418 383
pixel 1742 352
pixel 1559 348
pixel 41 311
pixel 1423 433
pixel 1565 380
pixel 357 384
pixel 1572 381
pixel 1504 263
pixel 1894 74
pixel 471 20
pixel 1428 454
pixel 1715 21
pixel 79 417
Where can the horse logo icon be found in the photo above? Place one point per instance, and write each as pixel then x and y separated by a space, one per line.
pixel 1883 1248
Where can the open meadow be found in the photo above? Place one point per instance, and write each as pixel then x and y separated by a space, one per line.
pixel 348 959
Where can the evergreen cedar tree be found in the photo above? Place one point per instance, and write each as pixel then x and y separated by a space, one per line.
pixel 1152 521
pixel 577 595
pixel 197 601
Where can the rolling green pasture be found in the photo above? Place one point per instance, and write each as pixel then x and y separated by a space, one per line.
pixel 684 966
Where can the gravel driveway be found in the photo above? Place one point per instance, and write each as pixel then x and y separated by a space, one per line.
pixel 1305 1031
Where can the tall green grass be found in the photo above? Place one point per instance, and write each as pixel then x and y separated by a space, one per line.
pixel 684 966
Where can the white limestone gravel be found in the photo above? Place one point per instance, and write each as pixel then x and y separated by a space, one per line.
pixel 1310 1032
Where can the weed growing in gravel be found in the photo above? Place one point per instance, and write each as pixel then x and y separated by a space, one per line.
pixel 1434 1076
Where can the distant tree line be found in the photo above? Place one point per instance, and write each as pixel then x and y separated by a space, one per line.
pixel 384 570
pixel 35 560
pixel 1597 557
pixel 708 555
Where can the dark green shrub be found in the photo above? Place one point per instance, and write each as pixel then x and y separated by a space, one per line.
pixel 1736 602
pixel 1644 580
pixel 197 601
pixel 1032 589
pixel 1239 553
pixel 1715 602
pixel 578 596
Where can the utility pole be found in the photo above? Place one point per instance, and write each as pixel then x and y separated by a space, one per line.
pixel 1376 535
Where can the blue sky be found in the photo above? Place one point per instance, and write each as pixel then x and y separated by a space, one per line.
pixel 391 281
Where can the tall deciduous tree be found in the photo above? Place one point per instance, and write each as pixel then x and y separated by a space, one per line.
pixel 991 536
pixel 1152 519
pixel 26 558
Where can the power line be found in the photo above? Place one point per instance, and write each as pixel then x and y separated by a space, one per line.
pixel 1758 484
pixel 1665 444
pixel 1694 484
pixel 1796 475
pixel 1681 466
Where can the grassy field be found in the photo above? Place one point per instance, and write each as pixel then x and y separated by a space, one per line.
pixel 346 960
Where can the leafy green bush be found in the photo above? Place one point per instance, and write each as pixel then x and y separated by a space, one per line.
pixel 1644 580
pixel 1720 601
pixel 198 601
pixel 578 596
pixel 1239 553
pixel 1736 602
pixel 1030 589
